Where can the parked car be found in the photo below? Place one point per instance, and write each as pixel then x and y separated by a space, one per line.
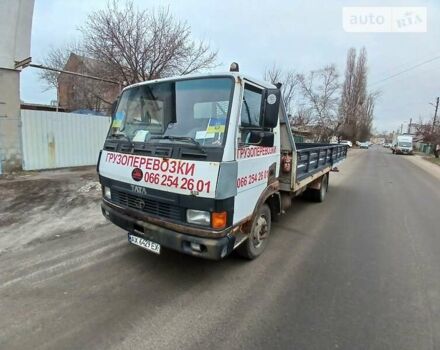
pixel 364 145
pixel 346 142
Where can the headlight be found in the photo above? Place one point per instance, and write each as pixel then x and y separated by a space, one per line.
pixel 107 192
pixel 199 217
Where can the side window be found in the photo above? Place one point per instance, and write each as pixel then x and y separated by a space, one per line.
pixel 250 111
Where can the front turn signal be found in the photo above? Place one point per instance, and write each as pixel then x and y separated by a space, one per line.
pixel 218 220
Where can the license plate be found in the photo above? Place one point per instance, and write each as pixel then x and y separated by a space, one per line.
pixel 144 243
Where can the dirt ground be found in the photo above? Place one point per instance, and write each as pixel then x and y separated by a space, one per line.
pixel 40 206
pixel 425 164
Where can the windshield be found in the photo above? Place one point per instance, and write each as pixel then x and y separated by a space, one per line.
pixel 405 144
pixel 195 110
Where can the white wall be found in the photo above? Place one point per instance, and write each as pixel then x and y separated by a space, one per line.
pixel 10 149
pixel 15 29
pixel 56 140
pixel 15 45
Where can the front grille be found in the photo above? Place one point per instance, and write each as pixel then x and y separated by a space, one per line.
pixel 148 206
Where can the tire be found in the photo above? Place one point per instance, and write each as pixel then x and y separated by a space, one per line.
pixel 319 195
pixel 260 231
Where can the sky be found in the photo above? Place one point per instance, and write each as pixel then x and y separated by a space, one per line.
pixel 293 34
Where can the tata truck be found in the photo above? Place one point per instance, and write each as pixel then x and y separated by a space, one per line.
pixel 403 144
pixel 203 164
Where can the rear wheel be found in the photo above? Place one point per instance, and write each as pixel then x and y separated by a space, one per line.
pixel 260 230
pixel 319 194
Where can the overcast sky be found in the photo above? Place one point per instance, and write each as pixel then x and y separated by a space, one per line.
pixel 297 35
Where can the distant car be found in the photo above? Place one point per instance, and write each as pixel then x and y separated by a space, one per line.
pixel 346 142
pixel 364 145
pixel 387 145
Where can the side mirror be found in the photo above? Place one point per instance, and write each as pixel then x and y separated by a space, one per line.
pixel 260 138
pixel 270 107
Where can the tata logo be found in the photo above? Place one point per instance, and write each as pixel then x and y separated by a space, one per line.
pixel 139 189
pixel 137 174
pixel 140 204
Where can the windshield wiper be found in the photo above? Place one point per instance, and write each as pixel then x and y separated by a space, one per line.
pixel 120 136
pixel 178 138
pixel 122 145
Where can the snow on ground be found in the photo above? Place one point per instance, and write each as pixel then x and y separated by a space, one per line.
pixel 36 207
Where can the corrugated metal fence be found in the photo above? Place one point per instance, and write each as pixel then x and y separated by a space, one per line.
pixel 57 140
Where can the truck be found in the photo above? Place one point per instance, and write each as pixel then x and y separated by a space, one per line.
pixel 203 164
pixel 402 144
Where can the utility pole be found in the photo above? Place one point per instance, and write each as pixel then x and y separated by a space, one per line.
pixel 409 126
pixel 401 128
pixel 434 121
pixel 435 115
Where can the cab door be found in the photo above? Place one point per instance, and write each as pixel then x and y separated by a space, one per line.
pixel 256 164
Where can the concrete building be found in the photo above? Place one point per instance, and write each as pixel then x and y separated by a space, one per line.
pixel 10 146
pixel 15 26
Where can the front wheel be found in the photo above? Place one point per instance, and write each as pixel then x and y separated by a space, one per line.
pixel 260 230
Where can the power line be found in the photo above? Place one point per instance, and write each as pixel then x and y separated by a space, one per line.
pixel 404 64
pixel 405 70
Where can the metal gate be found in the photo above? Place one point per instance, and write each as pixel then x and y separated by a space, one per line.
pixel 57 140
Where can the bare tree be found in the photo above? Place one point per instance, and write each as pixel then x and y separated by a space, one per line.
pixel 365 122
pixel 289 84
pixel 357 105
pixel 348 105
pixel 430 132
pixel 138 45
pixel 320 90
pixel 126 44
pixel 303 116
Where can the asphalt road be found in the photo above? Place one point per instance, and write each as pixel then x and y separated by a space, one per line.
pixel 359 271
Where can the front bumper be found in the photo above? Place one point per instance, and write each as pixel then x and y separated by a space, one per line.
pixel 212 248
pixel 404 151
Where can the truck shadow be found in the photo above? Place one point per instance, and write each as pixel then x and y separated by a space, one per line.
pixel 292 219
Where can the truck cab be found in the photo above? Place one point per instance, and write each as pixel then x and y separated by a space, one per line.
pixel 403 145
pixel 193 164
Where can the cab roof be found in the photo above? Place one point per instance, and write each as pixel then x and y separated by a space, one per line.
pixel 235 75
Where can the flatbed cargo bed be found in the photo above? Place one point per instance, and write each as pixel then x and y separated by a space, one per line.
pixel 314 157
